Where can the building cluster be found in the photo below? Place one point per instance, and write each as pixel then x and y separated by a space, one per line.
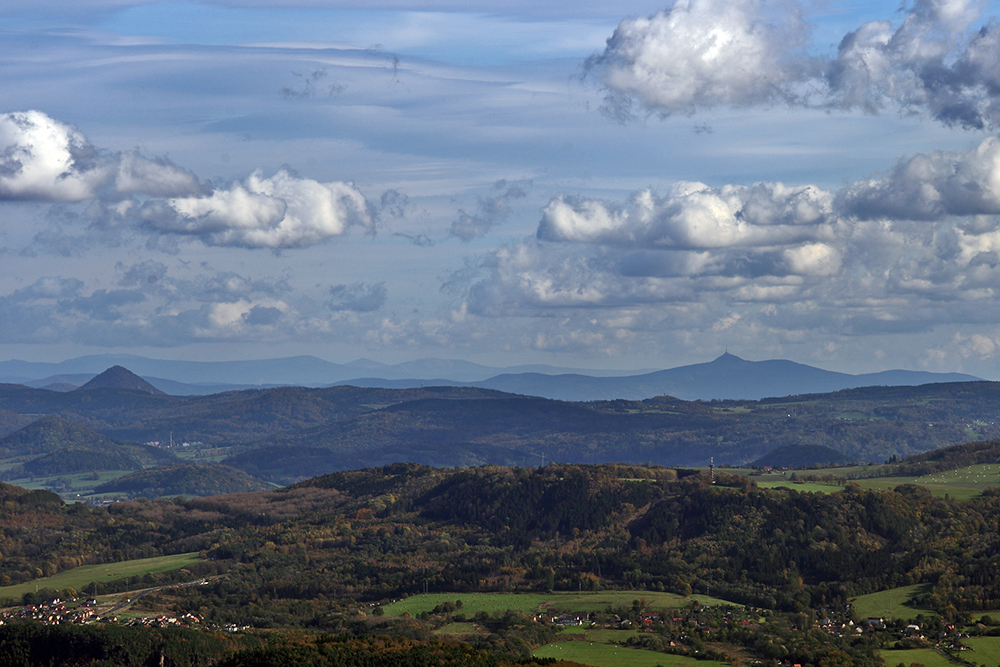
pixel 76 611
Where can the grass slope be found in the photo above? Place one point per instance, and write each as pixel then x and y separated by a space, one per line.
pixel 890 603
pixel 79 577
pixel 923 656
pixel 529 603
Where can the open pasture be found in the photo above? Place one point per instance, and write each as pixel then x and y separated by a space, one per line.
pixel 79 577
pixel 961 484
pixel 608 655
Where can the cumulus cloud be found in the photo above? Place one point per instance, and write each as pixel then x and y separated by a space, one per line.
pixel 44 160
pixel 895 253
pixel 490 212
pixel 701 53
pixel 706 53
pixel 931 186
pixel 282 211
pixel 694 216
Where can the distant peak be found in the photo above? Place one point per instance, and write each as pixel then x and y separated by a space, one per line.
pixel 726 357
pixel 119 377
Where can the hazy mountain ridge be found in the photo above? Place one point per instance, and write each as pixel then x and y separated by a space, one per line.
pixel 727 377
pixel 291 433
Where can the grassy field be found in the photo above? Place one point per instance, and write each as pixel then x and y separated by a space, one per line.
pixel 530 603
pixel 961 484
pixel 985 650
pixel 889 604
pixel 611 636
pixel 527 603
pixel 79 577
pixel 458 629
pixel 81 483
pixel 812 487
pixel 607 655
pixel 925 656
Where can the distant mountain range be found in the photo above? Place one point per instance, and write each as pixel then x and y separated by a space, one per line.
pixel 727 377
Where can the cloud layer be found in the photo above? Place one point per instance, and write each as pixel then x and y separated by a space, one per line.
pixel 895 253
pixel 705 53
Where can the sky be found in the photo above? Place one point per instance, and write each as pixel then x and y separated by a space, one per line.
pixel 628 185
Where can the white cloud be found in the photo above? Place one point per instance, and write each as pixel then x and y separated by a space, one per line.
pixel 43 159
pixel 282 211
pixel 694 216
pixel 702 53
pixel 707 53
pixel 931 186
pixel 814 259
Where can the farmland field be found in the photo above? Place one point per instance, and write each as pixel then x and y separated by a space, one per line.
pixel 79 577
pixel 608 655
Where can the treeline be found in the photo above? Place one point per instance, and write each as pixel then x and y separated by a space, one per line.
pixel 24 644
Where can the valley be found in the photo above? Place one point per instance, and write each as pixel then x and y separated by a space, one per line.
pixel 297 524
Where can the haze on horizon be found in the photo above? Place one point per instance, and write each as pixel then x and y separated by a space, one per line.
pixel 566 185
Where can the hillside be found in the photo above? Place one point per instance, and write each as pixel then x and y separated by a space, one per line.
pixel 801 456
pixel 183 479
pixel 11 421
pixel 329 554
pixel 51 434
pixel 52 446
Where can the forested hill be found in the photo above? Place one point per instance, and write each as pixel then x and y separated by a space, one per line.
pixel 287 434
pixel 358 535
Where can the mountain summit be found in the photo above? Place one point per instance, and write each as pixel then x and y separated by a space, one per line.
pixel 119 377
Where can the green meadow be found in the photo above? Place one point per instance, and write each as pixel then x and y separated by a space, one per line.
pixel 608 655
pixel 79 577
pixel 811 487
pixel 530 603
pixel 985 650
pixel 458 629
pixel 923 656
pixel 961 484
pixel 890 604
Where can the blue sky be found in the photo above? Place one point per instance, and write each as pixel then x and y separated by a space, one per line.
pixel 589 184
